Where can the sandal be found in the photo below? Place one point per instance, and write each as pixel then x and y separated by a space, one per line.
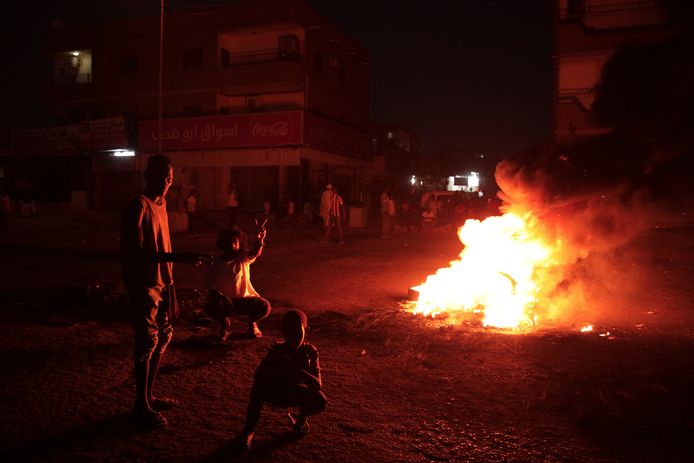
pixel 163 403
pixel 254 331
pixel 299 427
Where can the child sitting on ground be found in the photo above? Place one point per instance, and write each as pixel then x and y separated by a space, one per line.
pixel 229 279
pixel 288 376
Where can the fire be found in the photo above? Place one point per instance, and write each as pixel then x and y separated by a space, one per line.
pixel 497 274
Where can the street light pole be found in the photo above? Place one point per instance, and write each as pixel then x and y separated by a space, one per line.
pixel 161 74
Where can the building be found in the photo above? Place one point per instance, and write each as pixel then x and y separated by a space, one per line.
pixel 588 33
pixel 395 153
pixel 457 170
pixel 263 94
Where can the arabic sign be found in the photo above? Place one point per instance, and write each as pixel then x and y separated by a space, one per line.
pixel 262 129
pixel 101 134
pixel 54 141
pixel 85 137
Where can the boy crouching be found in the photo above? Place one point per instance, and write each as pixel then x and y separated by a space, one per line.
pixel 288 376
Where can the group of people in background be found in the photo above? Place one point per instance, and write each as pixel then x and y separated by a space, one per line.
pixel 408 211
pixel 418 211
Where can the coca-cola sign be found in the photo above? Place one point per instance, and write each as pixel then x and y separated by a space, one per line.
pixel 275 129
pixel 262 129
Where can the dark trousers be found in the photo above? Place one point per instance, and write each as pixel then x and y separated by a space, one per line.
pixel 309 402
pixel 221 308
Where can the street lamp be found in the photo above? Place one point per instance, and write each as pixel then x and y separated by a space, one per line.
pixel 161 74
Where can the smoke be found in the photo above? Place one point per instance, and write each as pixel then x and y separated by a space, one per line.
pixel 598 195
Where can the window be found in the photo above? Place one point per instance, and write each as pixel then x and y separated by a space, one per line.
pixel 288 45
pixel 129 65
pixel 192 58
pixel 72 67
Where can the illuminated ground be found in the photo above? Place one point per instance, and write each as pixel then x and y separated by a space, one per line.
pixel 400 388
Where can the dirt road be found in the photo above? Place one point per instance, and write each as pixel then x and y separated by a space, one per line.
pixel 400 388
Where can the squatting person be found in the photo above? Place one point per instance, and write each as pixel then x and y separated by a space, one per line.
pixel 229 282
pixel 288 376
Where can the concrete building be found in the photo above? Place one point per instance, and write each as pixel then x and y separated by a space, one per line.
pixel 588 32
pixel 263 94
pixel 395 153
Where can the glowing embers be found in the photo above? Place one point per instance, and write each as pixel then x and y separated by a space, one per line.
pixel 496 276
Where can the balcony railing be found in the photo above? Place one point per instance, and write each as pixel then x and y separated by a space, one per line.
pixel 254 56
pixel 648 11
pixel 84 78
pixel 583 96
pixel 570 92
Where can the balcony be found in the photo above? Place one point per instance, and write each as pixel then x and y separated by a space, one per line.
pixel 255 56
pixel 616 15
pixel 584 96
pixel 262 71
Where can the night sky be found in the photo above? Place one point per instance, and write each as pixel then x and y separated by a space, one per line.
pixel 467 75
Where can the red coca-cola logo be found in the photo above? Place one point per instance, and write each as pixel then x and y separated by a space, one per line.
pixel 273 129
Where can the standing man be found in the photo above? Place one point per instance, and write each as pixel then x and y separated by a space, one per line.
pixel 147 264
pixel 325 202
pixel 387 213
pixel 232 205
pixel 335 213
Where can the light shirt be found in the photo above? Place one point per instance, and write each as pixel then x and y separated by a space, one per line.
pixel 335 205
pixel 325 202
pixel 145 230
pixel 232 278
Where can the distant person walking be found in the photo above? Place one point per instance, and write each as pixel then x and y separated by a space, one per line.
pixel 232 205
pixel 147 265
pixel 335 214
pixel 191 209
pixel 325 203
pixel 387 213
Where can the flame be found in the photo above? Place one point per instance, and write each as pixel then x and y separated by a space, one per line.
pixel 587 329
pixel 496 275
